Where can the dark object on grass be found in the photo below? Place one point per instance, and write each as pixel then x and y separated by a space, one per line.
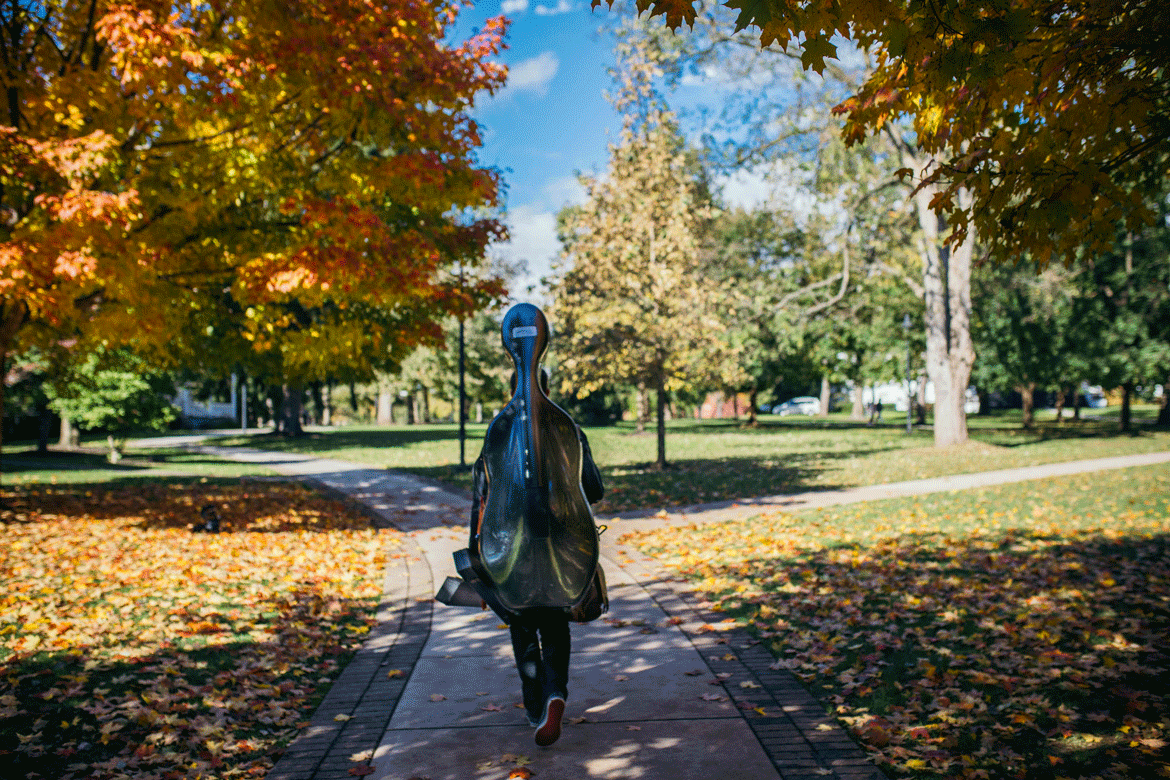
pixel 210 520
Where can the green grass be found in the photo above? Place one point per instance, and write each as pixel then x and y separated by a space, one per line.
pixel 23 465
pixel 1013 631
pixel 716 460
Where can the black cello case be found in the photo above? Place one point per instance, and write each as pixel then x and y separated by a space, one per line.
pixel 534 542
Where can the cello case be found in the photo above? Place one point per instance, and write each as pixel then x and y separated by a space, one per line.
pixel 536 544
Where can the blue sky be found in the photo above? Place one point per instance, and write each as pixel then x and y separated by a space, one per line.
pixel 552 121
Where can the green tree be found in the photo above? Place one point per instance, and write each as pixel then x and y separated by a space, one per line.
pixel 1025 330
pixel 632 303
pixel 1125 306
pixel 1047 119
pixel 115 393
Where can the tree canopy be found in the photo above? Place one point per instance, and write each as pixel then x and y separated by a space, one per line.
pixel 162 159
pixel 1052 113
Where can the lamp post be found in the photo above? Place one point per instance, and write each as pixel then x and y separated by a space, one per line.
pixel 909 395
pixel 462 391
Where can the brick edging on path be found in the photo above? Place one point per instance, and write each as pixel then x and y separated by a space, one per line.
pixel 802 741
pixel 364 691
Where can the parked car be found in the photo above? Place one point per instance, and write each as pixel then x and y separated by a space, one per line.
pixel 802 404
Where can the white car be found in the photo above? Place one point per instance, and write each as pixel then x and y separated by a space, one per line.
pixel 802 404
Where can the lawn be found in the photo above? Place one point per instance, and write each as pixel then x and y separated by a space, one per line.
pixel 717 460
pixel 23 465
pixel 1010 632
pixel 131 646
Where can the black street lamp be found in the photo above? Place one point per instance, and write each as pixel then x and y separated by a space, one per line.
pixel 462 392
pixel 909 395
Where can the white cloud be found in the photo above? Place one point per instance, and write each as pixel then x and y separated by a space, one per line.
pixel 533 241
pixel 562 7
pixel 565 191
pixel 514 6
pixel 531 75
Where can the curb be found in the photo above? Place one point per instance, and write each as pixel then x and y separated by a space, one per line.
pixel 801 739
pixel 364 692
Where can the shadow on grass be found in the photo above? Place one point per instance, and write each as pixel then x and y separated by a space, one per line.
pixel 1022 655
pixel 186 706
pixel 693 481
pixel 346 438
pixel 240 504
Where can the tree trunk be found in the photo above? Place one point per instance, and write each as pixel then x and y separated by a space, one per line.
pixel 643 405
pixel 44 425
pixel 1027 392
pixel 858 402
pixel 1076 404
pixel 920 401
pixel 826 396
pixel 327 404
pixel 479 411
pixel 353 402
pixel 65 435
pixel 385 408
pixel 752 405
pixel 950 353
pixel 1126 412
pixel 660 388
pixel 426 405
pixel 1060 399
pixel 411 409
pixel 274 404
pixel 290 410
pixel 318 402
pixel 12 317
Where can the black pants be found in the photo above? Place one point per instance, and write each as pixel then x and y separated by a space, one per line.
pixel 540 642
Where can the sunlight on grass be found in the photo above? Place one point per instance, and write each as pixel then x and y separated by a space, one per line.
pixel 720 460
pixel 984 633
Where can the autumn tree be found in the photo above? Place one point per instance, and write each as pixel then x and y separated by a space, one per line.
pixel 294 166
pixel 1051 115
pixel 632 302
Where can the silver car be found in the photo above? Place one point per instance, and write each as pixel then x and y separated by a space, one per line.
pixel 802 404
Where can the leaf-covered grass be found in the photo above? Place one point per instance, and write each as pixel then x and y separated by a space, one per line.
pixel 718 460
pixel 1010 632
pixel 132 647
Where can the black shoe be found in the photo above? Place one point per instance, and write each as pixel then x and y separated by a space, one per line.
pixel 549 730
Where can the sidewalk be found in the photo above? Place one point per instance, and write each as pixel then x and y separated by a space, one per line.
pixel 434 693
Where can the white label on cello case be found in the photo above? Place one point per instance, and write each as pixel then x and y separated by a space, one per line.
pixel 527 330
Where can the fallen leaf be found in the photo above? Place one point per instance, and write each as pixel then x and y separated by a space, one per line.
pixel 492 708
pixel 824 727
pixel 365 755
pixel 361 771
pixel 633 728
pixel 438 697
pixel 713 697
pixel 520 772
pixel 748 684
pixel 621 677
pixel 577 721
pixel 694 673
pixel 395 673
pixel 342 717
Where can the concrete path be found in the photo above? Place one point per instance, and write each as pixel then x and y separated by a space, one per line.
pixel 653 693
